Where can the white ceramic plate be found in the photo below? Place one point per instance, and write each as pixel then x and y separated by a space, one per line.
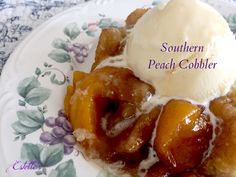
pixel 34 81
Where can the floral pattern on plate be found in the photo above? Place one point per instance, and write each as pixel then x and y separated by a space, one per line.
pixel 57 141
pixel 66 49
pixel 18 18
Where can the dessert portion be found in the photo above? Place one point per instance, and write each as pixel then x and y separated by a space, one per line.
pixel 182 136
pixel 183 21
pixel 222 161
pixel 111 114
pixel 159 123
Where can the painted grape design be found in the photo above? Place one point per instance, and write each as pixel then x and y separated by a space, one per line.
pixel 79 51
pixel 61 132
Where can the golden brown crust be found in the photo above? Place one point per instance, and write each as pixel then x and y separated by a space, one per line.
pixel 134 17
pixel 112 40
pixel 110 44
pixel 223 158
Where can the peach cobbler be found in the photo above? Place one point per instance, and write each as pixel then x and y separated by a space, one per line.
pixel 155 123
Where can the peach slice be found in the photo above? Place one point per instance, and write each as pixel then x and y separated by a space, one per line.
pixel 134 17
pixel 101 101
pixel 140 134
pixel 182 136
pixel 101 88
pixel 77 76
pixel 158 170
pixel 111 43
pixel 112 40
pixel 222 161
pixel 69 93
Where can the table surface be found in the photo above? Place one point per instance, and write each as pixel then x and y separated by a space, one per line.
pixel 19 17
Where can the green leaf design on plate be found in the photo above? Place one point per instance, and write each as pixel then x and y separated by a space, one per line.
pixel 105 22
pixel 72 31
pixel 47 156
pixel 59 44
pixel 23 130
pixel 27 85
pixel 156 2
pixel 51 155
pixel 60 56
pixel 16 138
pixel 90 33
pixel 115 24
pixel 232 22
pixel 30 118
pixel 28 121
pixel 31 152
pixel 38 71
pixel 21 103
pixel 38 173
pixel 65 169
pixel 45 64
pixel 54 80
pixel 37 96
pixel 84 26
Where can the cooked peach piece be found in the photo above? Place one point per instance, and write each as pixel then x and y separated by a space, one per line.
pixel 78 76
pixel 182 136
pixel 223 157
pixel 158 170
pixel 140 134
pixel 112 40
pixel 97 90
pixel 107 103
pixel 111 43
pixel 190 174
pixel 134 17
pixel 69 93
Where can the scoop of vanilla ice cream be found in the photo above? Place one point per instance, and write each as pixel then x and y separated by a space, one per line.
pixel 177 22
